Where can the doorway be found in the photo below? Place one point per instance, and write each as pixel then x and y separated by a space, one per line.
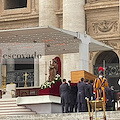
pixel 111 67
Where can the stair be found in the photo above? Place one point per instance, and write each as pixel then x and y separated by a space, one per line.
pixel 9 107
pixel 110 115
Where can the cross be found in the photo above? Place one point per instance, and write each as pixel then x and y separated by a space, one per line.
pixel 26 79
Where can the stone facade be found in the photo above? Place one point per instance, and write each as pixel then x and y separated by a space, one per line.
pixel 101 22
pixel 19 17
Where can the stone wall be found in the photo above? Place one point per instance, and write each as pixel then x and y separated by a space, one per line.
pixel 103 20
pixel 19 17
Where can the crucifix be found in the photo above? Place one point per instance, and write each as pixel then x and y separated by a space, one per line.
pixel 25 79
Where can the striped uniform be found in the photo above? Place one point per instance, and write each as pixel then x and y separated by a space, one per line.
pixel 99 86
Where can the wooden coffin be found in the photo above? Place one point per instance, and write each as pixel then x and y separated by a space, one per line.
pixel 77 75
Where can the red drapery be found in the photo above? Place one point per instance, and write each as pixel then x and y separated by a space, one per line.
pixel 59 65
pixel 54 90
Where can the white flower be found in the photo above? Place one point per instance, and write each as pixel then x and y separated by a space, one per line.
pixel 53 82
pixel 57 75
pixel 48 84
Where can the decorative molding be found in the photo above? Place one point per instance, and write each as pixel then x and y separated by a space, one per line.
pixel 105 26
pixel 97 4
pixel 119 51
pixel 111 44
pixel 96 1
pixel 91 55
pixel 19 23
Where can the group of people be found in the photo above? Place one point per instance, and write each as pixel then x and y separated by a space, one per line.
pixel 74 96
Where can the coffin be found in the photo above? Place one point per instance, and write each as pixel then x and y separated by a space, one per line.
pixel 77 75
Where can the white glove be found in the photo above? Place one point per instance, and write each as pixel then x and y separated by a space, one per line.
pixel 91 97
pixel 112 100
pixel 85 98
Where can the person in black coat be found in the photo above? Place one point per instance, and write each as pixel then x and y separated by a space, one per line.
pixel 69 95
pixel 72 96
pixel 109 98
pixel 91 90
pixel 81 96
pixel 64 91
pixel 87 93
pixel 114 97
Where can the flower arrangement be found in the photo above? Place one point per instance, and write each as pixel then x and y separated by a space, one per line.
pixel 48 84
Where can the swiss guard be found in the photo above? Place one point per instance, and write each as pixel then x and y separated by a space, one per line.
pixel 99 85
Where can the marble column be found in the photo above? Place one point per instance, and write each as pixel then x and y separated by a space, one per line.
pixel 73 20
pixel 47 13
pixel 74 15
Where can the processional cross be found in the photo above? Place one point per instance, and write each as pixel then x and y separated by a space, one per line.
pixel 25 79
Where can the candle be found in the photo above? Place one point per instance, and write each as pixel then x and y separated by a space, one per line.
pixel 4 70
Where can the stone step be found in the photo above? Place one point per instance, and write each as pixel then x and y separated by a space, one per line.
pixel 15 110
pixel 7 103
pixel 12 101
pixel 18 113
pixel 8 99
pixel 10 107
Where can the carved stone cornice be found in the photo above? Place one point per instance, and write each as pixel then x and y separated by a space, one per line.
pixel 110 37
pixel 59 13
pixel 97 1
pixel 111 44
pixel 18 17
pixel 100 5
pixel 105 26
